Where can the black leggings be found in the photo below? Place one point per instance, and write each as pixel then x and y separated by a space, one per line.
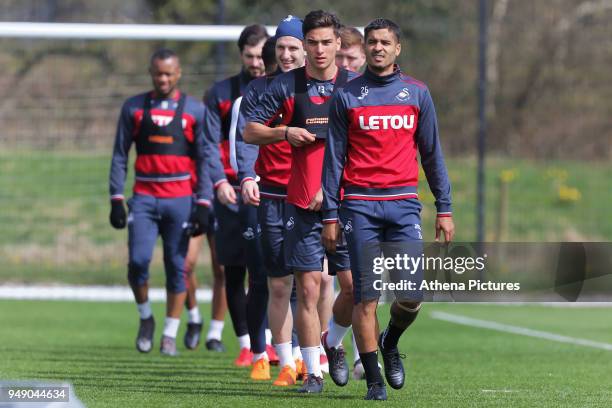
pixel 248 313
pixel 257 300
pixel 236 298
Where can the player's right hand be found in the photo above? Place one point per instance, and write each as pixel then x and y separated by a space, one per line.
pixel 250 192
pixel 118 216
pixel 226 194
pixel 299 137
pixel 445 227
pixel 329 236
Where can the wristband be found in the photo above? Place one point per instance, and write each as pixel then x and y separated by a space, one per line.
pixel 286 133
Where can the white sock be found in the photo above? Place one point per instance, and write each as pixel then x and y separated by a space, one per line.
pixel 268 336
pixel 297 353
pixel 245 341
pixel 355 349
pixel 284 354
pixel 194 315
pixel 144 309
pixel 321 349
pixel 335 333
pixel 171 326
pixel 311 358
pixel 259 356
pixel 215 330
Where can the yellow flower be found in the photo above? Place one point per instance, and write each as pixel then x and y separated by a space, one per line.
pixel 569 194
pixel 508 175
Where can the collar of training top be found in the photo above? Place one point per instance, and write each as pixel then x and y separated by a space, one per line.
pixel 385 79
pixel 154 96
pixel 332 80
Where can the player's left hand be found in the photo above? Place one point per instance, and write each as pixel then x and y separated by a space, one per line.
pixel 226 194
pixel 329 236
pixel 250 192
pixel 446 225
pixel 199 220
pixel 317 201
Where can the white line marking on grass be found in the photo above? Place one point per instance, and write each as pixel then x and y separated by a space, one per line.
pixel 504 391
pixel 506 328
pixel 581 304
pixel 87 293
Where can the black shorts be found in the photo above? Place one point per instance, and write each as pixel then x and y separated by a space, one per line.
pixel 303 249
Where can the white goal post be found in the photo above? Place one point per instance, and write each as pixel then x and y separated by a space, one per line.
pixel 96 31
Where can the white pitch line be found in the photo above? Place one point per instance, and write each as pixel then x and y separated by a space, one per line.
pixel 87 293
pixel 506 328
pixel 595 303
pixel 504 391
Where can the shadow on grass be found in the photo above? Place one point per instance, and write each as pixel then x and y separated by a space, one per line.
pixel 202 386
pixel 192 373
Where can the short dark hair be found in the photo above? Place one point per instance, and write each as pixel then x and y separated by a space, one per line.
pixel 162 54
pixel 321 19
pixel 350 36
pixel 381 23
pixel 252 35
pixel 268 54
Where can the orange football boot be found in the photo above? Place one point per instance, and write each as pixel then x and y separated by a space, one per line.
pixel 261 370
pixel 286 377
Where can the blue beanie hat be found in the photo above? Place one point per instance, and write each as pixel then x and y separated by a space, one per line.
pixel 290 26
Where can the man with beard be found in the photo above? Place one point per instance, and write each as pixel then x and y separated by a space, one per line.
pixel 237 224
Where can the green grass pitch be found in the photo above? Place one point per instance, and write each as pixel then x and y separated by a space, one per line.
pixel 448 365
